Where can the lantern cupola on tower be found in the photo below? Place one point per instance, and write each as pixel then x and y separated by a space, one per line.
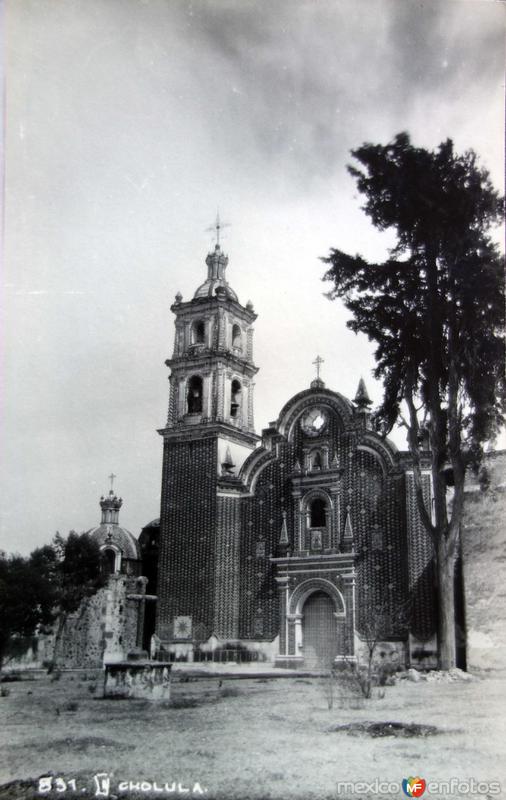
pixel 216 282
pixel 110 506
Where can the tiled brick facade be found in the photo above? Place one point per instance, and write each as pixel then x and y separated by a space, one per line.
pixel 186 575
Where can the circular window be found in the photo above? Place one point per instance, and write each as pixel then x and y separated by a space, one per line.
pixel 314 421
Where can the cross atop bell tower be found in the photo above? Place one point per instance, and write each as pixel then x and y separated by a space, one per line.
pixel 217 226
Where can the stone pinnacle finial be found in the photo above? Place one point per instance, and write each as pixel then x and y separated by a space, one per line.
pixel 348 530
pixel 284 543
pixel 283 539
pixel 227 466
pixel 362 399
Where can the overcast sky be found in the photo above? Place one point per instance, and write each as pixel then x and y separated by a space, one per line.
pixel 128 122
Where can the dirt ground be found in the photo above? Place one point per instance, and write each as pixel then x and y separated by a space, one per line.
pixel 254 738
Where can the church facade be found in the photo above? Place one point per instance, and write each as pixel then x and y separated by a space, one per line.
pixel 294 544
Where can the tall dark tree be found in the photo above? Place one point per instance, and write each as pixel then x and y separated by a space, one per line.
pixel 27 599
pixel 46 587
pixel 435 309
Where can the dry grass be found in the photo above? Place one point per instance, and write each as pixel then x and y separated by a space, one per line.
pixel 249 738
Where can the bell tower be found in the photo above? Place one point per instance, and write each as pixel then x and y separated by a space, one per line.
pixel 208 435
pixel 212 367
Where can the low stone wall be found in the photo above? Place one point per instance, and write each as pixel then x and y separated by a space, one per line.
pixel 148 680
pixel 484 556
pixel 104 627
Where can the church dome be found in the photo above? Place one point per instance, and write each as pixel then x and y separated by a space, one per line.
pixel 115 535
pixel 216 283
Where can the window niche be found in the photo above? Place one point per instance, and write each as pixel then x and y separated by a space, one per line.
pixel 318 522
pixel 316 461
pixel 195 393
pixel 317 515
pixel 260 549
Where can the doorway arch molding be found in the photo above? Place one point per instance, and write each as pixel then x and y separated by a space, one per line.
pixel 308 587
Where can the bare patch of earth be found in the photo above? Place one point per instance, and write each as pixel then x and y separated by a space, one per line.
pixel 260 741
pixel 403 729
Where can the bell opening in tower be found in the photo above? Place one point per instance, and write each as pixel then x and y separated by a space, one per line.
pixel 236 338
pixel 194 400
pixel 199 332
pixel 235 402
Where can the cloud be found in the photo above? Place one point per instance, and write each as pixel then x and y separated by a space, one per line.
pixel 138 118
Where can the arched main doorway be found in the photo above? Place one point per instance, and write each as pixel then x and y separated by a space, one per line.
pixel 319 631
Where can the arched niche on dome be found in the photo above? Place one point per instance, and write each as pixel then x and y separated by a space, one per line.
pixel 110 559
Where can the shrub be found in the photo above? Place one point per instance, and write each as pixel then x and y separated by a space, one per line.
pixel 230 691
pixel 10 677
pixel 183 702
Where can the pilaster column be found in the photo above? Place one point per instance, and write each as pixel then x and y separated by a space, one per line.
pixel 335 518
pixel 295 643
pixel 182 397
pixel 249 344
pixel 297 521
pixel 220 391
pixel 283 608
pixel 250 421
pixel 349 624
pixel 173 401
pixel 221 329
pixel 207 398
pixel 187 336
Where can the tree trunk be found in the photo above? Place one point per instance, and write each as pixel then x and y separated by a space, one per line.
pixel 446 606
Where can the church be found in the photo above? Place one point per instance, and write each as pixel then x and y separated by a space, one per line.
pixel 292 544
pixel 296 547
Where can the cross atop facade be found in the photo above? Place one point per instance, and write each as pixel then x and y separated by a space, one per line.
pixel 218 225
pixel 111 478
pixel 318 362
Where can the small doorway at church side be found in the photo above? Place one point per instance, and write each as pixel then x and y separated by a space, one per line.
pixel 319 631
